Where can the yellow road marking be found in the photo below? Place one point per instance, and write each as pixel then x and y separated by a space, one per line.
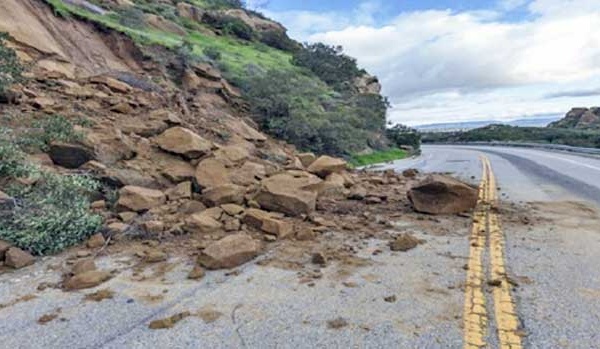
pixel 504 306
pixel 475 317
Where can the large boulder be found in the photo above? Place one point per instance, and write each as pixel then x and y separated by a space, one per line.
pixel 182 141
pixel 16 258
pixel 224 194
pixel 307 158
pixel 230 252
pixel 212 173
pixel 287 193
pixel 326 165
pixel 69 155
pixel 249 173
pixel 439 194
pixel 265 221
pixel 138 199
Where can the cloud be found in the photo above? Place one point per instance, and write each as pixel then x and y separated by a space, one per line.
pixel 574 93
pixel 470 64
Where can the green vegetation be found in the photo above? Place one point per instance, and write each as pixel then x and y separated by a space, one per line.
pixel 302 94
pixel 404 136
pixel 48 216
pixel 329 63
pixel 504 133
pixel 10 68
pixel 378 157
pixel 48 130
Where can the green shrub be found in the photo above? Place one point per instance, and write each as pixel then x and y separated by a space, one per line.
pixel 51 215
pixel 10 68
pixel 402 135
pixel 278 40
pixel 212 52
pixel 132 17
pixel 47 130
pixel 12 158
pixel 230 25
pixel 329 63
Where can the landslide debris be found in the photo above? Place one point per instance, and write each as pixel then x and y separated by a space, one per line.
pixel 439 194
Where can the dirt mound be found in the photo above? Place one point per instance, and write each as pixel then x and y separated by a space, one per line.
pixel 65 45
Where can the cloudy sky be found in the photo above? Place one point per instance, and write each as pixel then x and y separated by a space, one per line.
pixel 462 60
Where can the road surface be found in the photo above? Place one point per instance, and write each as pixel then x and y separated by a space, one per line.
pixel 544 246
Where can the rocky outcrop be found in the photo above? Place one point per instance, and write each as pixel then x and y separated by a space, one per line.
pixel 257 23
pixel 69 155
pixel 579 118
pixel 230 252
pixel 439 194
pixel 367 84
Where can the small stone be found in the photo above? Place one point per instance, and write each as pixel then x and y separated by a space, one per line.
pixel 305 234
pixel 154 256
pixel 153 227
pixel 83 266
pixel 404 242
pixel 96 241
pixel 87 280
pixel 337 323
pixel 83 254
pixel 168 322
pixel 16 258
pixel 318 258
pixel 128 216
pixel 117 228
pixel 390 299
pixel 197 273
pixel 233 209
pixel 98 205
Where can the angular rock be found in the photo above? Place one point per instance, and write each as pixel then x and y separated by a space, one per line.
pixel 96 241
pixel 212 173
pixel 231 224
pixel 43 102
pixel 87 279
pixel 197 273
pixel 83 266
pixel 69 155
pixel 410 173
pixel 265 221
pixel 326 165
pixel 182 190
pixel 114 84
pixel 307 159
pixel 122 108
pixel 138 199
pixel 332 185
pixel 404 242
pixel 154 256
pixel 223 194
pixel 232 153
pixel 230 252
pixel 286 193
pixel 439 194
pixel 233 209
pixel 202 223
pixel 182 141
pixel 16 258
pixel 154 227
pixel 357 193
pixel 249 173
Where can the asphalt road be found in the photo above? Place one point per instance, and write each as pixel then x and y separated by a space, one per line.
pixel 553 261
pixel 525 175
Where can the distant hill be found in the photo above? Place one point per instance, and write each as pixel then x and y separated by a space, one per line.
pixel 580 118
pixel 538 121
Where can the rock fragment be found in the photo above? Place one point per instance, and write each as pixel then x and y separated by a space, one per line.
pixel 230 252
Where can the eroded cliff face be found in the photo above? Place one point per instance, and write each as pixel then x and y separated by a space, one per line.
pixel 66 45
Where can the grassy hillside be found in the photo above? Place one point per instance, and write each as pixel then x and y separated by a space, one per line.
pixel 288 86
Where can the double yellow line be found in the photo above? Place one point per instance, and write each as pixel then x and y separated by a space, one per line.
pixel 486 226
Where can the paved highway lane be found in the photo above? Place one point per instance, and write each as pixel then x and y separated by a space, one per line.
pixel 555 257
pixel 524 175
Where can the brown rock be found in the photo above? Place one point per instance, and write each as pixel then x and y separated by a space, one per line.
pixel 16 258
pixel 114 84
pixel 233 209
pixel 138 199
pixel 43 102
pixel 250 173
pixel 168 322
pixel 332 185
pixel 357 193
pixel 69 155
pixel 307 158
pixel 264 221
pixel 404 242
pixel 224 194
pixel 230 252
pixel 305 234
pixel 154 256
pixel 120 228
pixel 182 141
pixel 96 241
pixel 326 165
pixel 286 193
pixel 439 194
pixel 232 153
pixel 182 190
pixel 87 280
pixel 83 266
pixel 197 273
pixel 202 223
pixel 410 173
pixel 154 227
pixel 318 258
pixel 98 205
pixel 122 108
pixel 231 224
pixel 212 173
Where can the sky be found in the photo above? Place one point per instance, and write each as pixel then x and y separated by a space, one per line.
pixel 461 60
